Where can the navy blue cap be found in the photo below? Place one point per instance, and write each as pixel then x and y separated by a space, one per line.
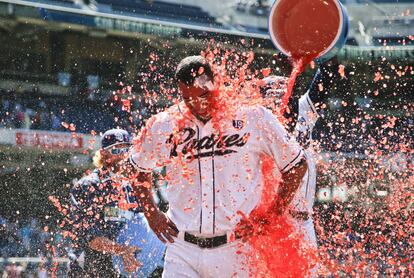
pixel 114 137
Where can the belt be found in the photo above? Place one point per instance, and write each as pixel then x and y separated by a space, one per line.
pixel 300 215
pixel 207 242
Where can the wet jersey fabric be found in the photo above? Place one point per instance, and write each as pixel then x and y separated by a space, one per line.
pixel 307 117
pixel 213 174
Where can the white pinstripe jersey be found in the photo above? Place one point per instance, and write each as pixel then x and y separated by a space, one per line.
pixel 307 117
pixel 211 179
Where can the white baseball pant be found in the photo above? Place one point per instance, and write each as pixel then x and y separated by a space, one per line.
pixel 185 259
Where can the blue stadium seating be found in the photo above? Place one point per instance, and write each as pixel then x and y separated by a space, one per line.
pixel 161 10
pixel 60 2
pixel 154 9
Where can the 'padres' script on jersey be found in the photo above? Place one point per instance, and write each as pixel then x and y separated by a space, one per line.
pixel 208 145
pixel 212 177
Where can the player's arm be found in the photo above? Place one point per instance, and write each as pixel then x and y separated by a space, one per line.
pixel 289 184
pixel 313 100
pixel 104 244
pixel 289 158
pixel 150 152
pixel 160 224
pixel 107 246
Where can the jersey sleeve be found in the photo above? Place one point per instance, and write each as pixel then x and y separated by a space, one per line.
pixel 307 118
pixel 278 144
pixel 151 146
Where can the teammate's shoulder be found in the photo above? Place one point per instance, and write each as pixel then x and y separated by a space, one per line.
pixel 256 110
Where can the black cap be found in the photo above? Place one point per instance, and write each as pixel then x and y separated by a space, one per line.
pixel 191 67
pixel 114 137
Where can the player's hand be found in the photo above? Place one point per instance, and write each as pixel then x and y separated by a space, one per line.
pixel 162 226
pixel 255 224
pixel 131 264
pixel 244 229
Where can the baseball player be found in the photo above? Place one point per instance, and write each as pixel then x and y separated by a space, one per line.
pixel 96 212
pixel 306 111
pixel 213 174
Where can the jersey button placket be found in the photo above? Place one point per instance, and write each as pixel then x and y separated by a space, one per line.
pixel 207 194
pixel 200 178
pixel 208 184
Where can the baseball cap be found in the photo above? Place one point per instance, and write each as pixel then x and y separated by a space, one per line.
pixel 115 137
pixel 274 86
pixel 192 67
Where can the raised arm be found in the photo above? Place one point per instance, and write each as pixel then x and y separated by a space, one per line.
pixel 324 81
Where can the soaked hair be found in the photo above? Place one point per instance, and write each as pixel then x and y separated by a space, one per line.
pixel 97 159
pixel 191 67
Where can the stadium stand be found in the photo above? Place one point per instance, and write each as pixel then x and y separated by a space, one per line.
pixel 24 246
pixel 67 3
pixel 49 112
pixel 161 10
pixel 152 9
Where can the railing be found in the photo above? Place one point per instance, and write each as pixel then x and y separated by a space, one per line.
pixel 33 260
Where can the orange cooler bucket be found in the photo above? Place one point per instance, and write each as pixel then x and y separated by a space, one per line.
pixel 308 28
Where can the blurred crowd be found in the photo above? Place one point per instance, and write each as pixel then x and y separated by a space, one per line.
pixel 53 112
pixel 29 240
pixel 15 114
pixel 363 133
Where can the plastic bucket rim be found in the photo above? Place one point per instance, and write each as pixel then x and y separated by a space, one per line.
pixel 329 48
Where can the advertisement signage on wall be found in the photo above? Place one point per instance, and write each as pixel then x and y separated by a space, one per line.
pixel 51 140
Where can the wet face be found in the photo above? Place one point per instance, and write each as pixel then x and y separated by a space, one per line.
pixel 198 96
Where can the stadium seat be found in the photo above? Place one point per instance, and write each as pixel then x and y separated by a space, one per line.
pixel 161 10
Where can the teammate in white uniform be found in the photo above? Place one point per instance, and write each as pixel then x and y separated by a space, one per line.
pixel 301 207
pixel 211 178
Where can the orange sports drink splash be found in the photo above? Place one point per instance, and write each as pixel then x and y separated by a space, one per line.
pixel 303 30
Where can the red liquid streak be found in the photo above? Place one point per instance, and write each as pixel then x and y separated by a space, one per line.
pixel 277 248
pixel 299 66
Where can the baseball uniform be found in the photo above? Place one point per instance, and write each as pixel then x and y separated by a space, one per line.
pixel 307 115
pixel 96 213
pixel 302 204
pixel 211 179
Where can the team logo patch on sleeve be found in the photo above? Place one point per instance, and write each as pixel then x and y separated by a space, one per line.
pixel 238 124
